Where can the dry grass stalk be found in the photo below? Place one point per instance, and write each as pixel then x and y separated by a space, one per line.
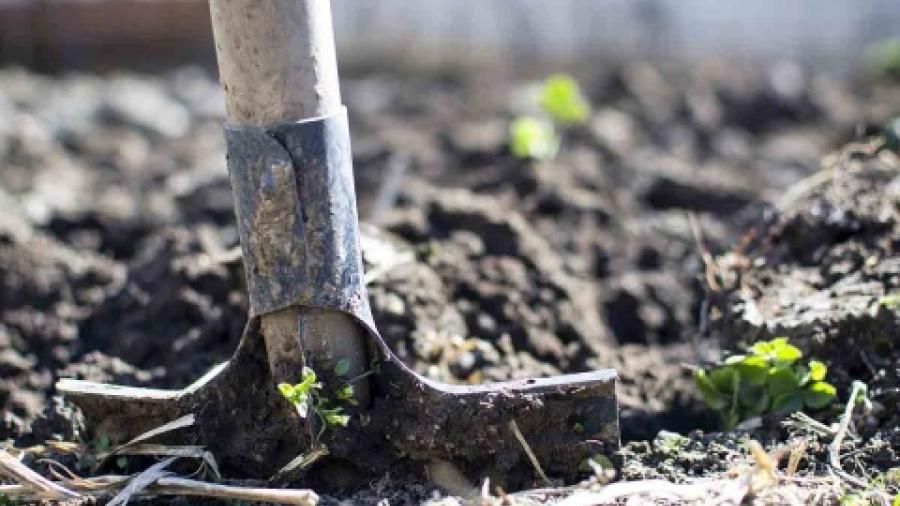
pixel 103 485
pixel 38 485
pixel 514 427
pixel 141 481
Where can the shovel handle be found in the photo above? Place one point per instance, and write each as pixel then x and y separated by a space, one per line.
pixel 277 64
pixel 276 60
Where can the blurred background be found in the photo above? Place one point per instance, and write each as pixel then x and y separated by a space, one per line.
pixel 118 250
pixel 59 34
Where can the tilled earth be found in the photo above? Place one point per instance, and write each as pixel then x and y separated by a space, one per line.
pixel 118 253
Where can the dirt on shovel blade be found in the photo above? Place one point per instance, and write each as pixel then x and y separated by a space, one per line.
pixel 118 258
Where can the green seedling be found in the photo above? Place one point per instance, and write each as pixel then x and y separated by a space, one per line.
pixel 562 100
pixel 533 138
pixel 308 395
pixel 562 105
pixel 769 379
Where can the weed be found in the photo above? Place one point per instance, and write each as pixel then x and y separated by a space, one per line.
pixel 309 394
pixel 562 100
pixel 561 104
pixel 533 138
pixel 769 379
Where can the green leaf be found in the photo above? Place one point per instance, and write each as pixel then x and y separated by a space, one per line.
pixel 533 138
pixel 785 353
pixel 346 394
pixel 782 381
pixel 309 376
pixel 787 403
pixel 287 391
pixel 760 404
pixel 753 370
pixel 777 350
pixel 561 98
pixel 754 399
pixel 763 349
pixel 708 391
pixel 896 501
pixel 817 370
pixel 334 417
pixel 342 367
pixel 735 359
pixel 819 394
pixel 726 379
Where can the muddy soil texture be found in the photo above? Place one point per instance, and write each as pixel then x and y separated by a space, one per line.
pixel 119 259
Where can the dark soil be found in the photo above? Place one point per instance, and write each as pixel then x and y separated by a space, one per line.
pixel 117 239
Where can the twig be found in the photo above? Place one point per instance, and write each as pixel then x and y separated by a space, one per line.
pixel 801 419
pixel 141 481
pixel 184 487
pixel 834 449
pixel 709 263
pixel 797 453
pixel 100 486
pixel 302 461
pixel 514 427
pixel 30 480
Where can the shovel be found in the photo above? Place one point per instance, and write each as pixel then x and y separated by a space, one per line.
pixel 290 167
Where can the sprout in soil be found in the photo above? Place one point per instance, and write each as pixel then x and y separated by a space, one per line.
pixel 562 100
pixel 561 105
pixel 308 394
pixel 533 138
pixel 769 379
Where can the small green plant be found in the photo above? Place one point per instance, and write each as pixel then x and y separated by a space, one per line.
pixel 562 100
pixel 309 394
pixel 769 379
pixel 562 105
pixel 533 138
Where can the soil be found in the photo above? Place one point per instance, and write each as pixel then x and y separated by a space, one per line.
pixel 118 257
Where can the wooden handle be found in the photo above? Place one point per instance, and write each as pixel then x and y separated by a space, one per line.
pixel 276 59
pixel 277 64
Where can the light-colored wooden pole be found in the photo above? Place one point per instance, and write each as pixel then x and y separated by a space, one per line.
pixel 277 64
